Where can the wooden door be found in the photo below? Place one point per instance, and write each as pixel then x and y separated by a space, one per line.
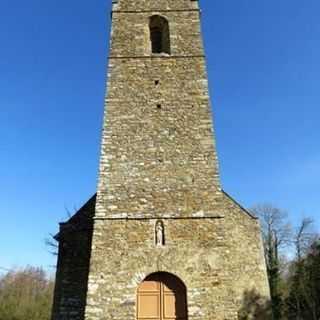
pixel 161 297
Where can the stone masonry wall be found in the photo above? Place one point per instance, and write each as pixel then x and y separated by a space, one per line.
pixel 218 259
pixel 143 5
pixel 74 238
pixel 157 161
pixel 158 153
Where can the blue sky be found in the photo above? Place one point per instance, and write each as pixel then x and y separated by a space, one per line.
pixel 264 72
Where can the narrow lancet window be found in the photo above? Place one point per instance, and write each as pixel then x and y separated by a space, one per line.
pixel 159 35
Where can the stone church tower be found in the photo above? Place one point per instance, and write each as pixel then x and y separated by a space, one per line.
pixel 160 240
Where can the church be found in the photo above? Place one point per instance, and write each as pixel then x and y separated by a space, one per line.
pixel 160 239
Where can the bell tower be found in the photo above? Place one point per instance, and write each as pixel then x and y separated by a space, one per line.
pixel 160 240
pixel 158 153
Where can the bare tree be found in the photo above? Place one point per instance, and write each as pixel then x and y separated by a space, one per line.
pixel 277 235
pixel 303 237
pixel 276 230
pixel 52 244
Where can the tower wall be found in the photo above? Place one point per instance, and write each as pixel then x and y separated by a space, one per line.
pixel 158 154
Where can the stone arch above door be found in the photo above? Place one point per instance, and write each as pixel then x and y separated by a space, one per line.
pixel 161 296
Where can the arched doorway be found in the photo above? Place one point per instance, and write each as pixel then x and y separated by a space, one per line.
pixel 162 296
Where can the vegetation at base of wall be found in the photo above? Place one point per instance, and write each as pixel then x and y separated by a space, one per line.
pixel 26 295
pixel 302 299
pixel 293 265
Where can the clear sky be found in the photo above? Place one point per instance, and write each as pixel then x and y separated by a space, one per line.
pixel 264 71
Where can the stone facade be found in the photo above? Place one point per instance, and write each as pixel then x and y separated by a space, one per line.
pixel 158 163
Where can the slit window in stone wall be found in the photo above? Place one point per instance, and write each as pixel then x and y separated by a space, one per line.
pixel 159 34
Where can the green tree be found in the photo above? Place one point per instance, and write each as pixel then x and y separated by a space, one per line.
pixel 303 301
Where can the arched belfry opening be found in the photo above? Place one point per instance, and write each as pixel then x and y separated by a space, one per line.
pixel 159 34
pixel 162 296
